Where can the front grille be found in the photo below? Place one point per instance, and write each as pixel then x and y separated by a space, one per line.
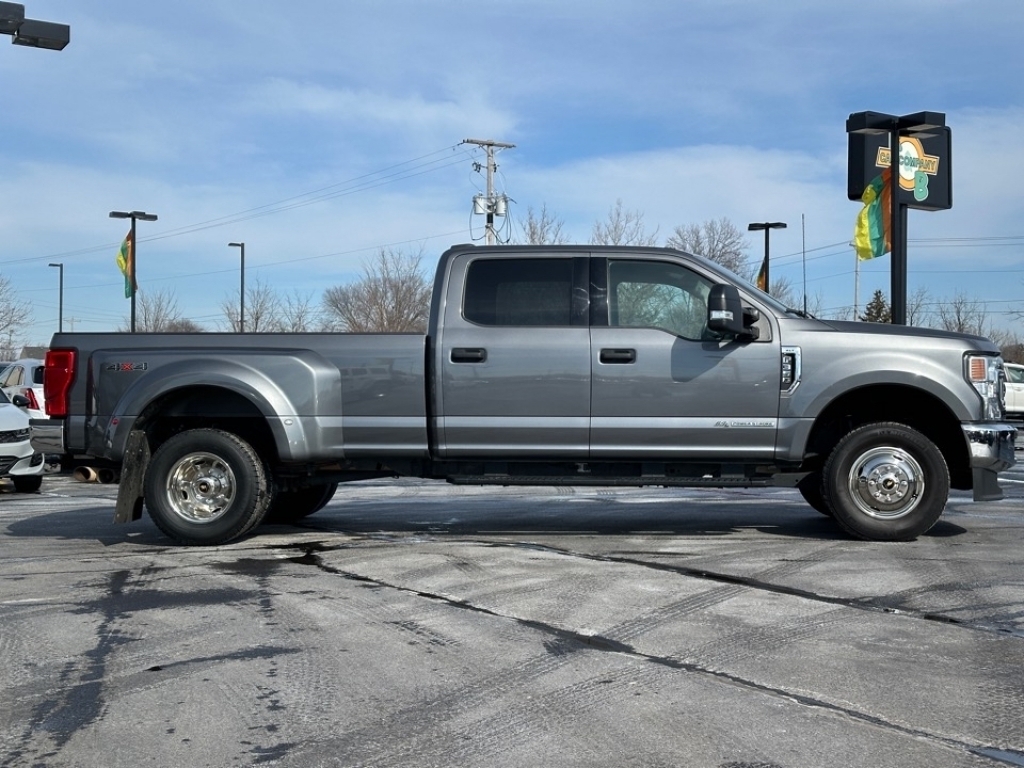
pixel 6 462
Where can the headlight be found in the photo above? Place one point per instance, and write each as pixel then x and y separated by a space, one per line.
pixel 985 372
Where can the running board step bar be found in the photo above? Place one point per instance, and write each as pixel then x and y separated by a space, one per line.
pixel 633 482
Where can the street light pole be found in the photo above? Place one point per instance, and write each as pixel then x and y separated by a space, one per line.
pixel 241 293
pixel 140 216
pixel 767 226
pixel 36 34
pixel 60 300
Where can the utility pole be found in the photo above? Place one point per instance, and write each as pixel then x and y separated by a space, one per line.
pixel 491 206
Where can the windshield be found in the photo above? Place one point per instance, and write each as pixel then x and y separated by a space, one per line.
pixel 3 397
pixel 728 276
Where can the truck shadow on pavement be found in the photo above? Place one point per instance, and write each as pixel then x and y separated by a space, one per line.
pixel 798 522
pixel 444 520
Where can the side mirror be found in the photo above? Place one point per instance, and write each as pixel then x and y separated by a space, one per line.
pixel 20 400
pixel 726 314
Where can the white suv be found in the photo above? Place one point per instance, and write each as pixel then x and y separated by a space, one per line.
pixel 18 461
pixel 1014 390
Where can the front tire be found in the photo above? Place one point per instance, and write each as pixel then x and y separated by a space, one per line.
pixel 886 482
pixel 206 487
pixel 27 483
pixel 810 489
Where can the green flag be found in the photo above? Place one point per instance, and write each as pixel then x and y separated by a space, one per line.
pixel 126 263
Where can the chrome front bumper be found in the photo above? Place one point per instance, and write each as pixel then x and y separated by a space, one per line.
pixel 46 435
pixel 991 445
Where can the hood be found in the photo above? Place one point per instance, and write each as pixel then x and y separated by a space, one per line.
pixel 12 418
pixel 887 329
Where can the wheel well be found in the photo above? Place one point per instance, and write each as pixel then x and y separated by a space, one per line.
pixel 915 408
pixel 211 407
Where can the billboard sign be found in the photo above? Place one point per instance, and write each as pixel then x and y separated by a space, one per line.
pixel 924 166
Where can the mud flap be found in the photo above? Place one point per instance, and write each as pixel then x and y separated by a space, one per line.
pixel 133 476
pixel 986 485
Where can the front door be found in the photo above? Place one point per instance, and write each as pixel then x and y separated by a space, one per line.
pixel 664 388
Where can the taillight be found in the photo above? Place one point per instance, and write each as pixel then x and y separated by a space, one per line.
pixel 32 402
pixel 57 379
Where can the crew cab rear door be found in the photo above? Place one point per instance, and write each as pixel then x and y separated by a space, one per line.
pixel 513 357
pixel 663 388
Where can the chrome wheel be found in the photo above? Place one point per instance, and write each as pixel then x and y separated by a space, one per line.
pixel 206 487
pixel 886 483
pixel 200 487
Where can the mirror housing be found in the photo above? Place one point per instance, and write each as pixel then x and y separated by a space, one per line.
pixel 726 314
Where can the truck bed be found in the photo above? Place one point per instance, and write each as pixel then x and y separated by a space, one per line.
pixel 346 395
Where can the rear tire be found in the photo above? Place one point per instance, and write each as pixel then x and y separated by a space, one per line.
pixel 206 487
pixel 886 482
pixel 289 507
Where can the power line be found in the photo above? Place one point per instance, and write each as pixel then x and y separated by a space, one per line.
pixel 372 180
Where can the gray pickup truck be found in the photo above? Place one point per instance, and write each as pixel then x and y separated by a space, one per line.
pixel 560 365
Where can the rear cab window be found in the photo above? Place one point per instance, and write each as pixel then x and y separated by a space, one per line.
pixel 519 292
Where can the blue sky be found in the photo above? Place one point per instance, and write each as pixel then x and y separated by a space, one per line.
pixel 317 132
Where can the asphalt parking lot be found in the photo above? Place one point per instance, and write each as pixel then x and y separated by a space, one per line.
pixel 421 624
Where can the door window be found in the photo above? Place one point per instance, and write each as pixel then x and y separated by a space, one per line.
pixel 531 292
pixel 655 294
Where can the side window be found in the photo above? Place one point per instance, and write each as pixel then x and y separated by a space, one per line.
pixel 519 292
pixel 657 294
pixel 13 376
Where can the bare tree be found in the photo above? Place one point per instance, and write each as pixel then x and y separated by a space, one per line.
pixel 816 304
pixel 262 309
pixel 298 314
pixel 393 295
pixel 622 227
pixel 543 228
pixel 782 290
pixel 183 325
pixel 720 241
pixel 917 307
pixel 963 314
pixel 1011 345
pixel 12 317
pixel 157 312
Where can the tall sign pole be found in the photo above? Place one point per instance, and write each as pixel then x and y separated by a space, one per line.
pixel 916 148
pixel 898 232
pixel 133 260
pixel 764 275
